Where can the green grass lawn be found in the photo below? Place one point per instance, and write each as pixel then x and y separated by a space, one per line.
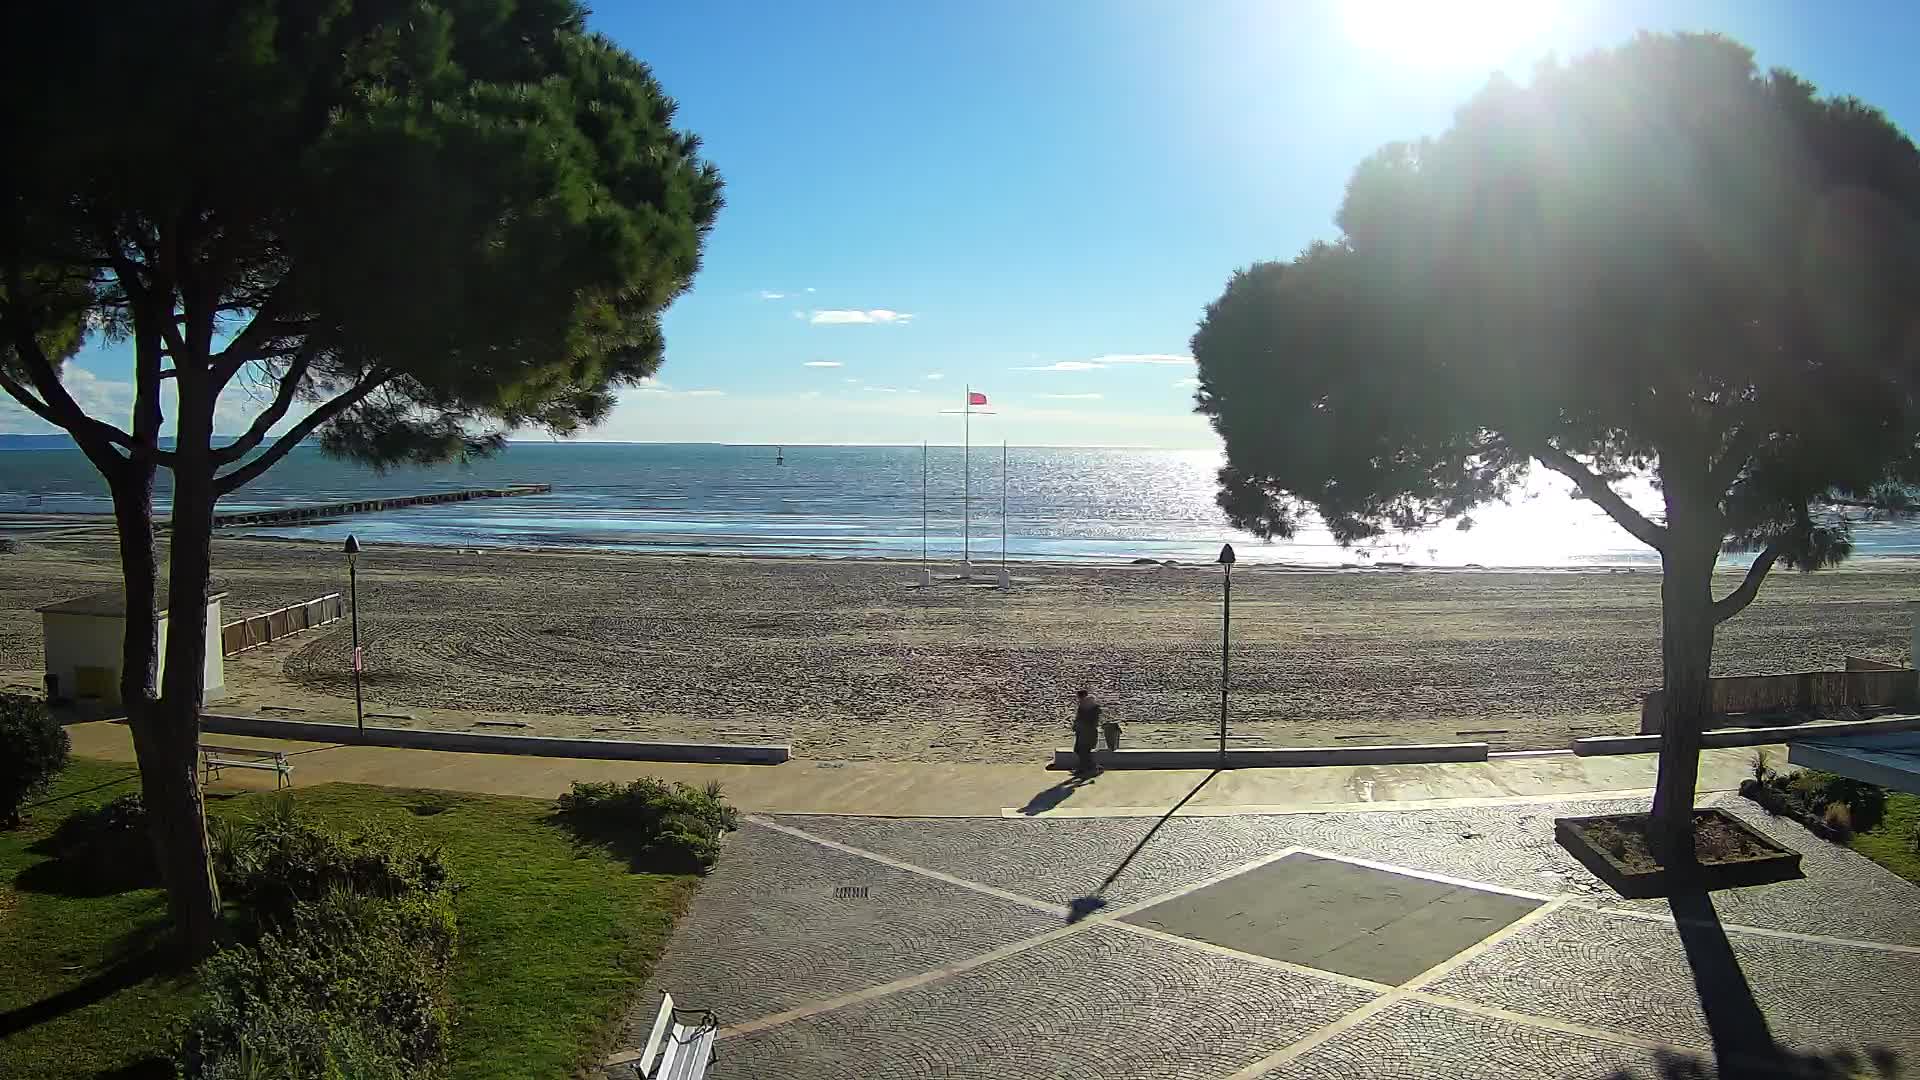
pixel 555 939
pixel 1891 842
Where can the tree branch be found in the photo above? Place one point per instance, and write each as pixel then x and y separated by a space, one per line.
pixel 1740 447
pixel 1736 601
pixel 245 474
pixel 61 410
pixel 276 411
pixel 1603 495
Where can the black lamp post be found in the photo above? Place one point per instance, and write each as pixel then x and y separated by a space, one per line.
pixel 353 592
pixel 1226 640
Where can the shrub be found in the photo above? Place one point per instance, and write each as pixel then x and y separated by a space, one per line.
pixel 668 826
pixel 108 846
pixel 33 750
pixel 348 975
pixel 1839 818
pixel 351 986
pixel 1866 803
pixel 278 861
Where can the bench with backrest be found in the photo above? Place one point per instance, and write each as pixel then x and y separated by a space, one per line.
pixel 215 758
pixel 677 1049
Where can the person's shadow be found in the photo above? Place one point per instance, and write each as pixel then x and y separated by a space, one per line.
pixel 1743 1044
pixel 1046 800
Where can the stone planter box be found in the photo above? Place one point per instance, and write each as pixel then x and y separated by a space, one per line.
pixel 1762 863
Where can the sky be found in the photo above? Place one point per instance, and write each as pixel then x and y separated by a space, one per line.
pixel 1037 200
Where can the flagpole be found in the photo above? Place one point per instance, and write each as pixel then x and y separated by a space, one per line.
pixel 1005 581
pixel 923 505
pixel 966 486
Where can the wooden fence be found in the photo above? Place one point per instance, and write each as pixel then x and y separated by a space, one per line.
pixel 1817 691
pixel 256 630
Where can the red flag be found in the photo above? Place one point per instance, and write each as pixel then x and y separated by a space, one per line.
pixel 975 397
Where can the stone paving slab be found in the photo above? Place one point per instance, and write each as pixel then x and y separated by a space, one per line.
pixel 1631 974
pixel 1100 1004
pixel 766 932
pixel 1338 916
pixel 1414 1040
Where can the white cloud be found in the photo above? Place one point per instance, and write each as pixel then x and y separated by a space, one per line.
pixel 809 288
pixel 769 294
pixel 798 314
pixel 811 394
pixel 1071 397
pixel 1186 384
pixel 651 385
pixel 823 363
pixel 856 317
pixel 851 380
pixel 1143 358
pixel 883 389
pixel 935 377
pixel 1066 365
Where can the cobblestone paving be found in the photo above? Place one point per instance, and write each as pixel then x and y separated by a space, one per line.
pixel 1843 895
pixel 1416 1039
pixel 766 932
pixel 1629 974
pixel 1098 1005
pixel 767 935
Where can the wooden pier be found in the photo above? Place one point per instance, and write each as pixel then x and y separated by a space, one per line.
pixel 287 514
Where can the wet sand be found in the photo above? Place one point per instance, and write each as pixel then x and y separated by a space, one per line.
pixel 847 661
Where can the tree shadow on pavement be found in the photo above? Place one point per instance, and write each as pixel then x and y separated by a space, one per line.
pixel 1743 1043
pixel 1086 905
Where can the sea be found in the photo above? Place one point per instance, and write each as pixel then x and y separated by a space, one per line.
pixel 898 502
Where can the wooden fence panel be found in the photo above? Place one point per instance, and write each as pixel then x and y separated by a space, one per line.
pixel 257 630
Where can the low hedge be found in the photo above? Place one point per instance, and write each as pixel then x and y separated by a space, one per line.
pixel 661 826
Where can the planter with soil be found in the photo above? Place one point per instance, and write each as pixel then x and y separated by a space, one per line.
pixel 1731 854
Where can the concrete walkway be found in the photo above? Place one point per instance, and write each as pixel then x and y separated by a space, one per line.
pixel 910 789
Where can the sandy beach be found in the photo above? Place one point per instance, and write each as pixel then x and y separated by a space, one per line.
pixel 847 661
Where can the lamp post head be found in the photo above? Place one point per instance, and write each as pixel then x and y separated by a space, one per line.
pixel 1226 555
pixel 353 546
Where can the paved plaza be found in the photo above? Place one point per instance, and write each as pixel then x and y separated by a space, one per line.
pixel 1452 941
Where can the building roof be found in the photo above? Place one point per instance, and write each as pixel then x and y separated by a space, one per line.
pixel 113 603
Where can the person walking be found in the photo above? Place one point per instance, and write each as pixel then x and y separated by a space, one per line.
pixel 1086 732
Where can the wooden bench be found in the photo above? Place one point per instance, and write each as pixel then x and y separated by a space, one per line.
pixel 215 758
pixel 678 1050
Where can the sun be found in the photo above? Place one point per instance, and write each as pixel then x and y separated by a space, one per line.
pixel 1446 33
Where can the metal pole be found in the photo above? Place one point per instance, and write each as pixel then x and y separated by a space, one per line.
pixel 1003 504
pixel 923 505
pixel 1226 650
pixel 353 589
pixel 966 483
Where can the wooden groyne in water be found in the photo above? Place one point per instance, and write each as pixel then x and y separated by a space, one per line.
pixel 287 514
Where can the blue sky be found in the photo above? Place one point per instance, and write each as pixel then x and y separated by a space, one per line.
pixel 1043 185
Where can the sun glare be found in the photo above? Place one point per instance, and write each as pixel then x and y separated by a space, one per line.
pixel 1446 33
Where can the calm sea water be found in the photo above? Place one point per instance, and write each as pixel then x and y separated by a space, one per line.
pixel 843 501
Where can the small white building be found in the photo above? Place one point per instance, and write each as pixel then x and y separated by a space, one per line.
pixel 85 637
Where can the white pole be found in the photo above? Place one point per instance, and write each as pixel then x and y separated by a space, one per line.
pixel 1005 581
pixel 926 575
pixel 966 486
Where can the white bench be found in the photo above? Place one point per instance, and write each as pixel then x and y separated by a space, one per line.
pixel 677 1050
pixel 215 758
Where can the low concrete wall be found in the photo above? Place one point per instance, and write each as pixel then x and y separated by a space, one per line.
pixel 481 743
pixel 1758 736
pixel 1279 757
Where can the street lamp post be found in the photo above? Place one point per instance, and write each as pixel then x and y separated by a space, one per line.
pixel 353 593
pixel 1226 640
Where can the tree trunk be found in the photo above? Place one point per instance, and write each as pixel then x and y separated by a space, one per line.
pixel 1686 655
pixel 174 734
